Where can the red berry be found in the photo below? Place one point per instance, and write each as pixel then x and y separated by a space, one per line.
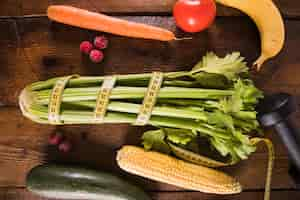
pixel 100 42
pixel 86 47
pixel 65 146
pixel 55 139
pixel 96 56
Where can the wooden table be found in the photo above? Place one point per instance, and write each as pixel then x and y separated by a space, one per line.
pixel 33 48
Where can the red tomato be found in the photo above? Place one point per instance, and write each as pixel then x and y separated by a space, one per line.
pixel 194 15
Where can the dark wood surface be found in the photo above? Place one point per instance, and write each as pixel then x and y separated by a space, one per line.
pixel 289 8
pixel 17 194
pixel 33 48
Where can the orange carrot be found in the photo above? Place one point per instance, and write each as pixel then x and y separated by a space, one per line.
pixel 99 22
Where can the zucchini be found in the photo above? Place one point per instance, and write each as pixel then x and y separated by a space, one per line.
pixel 69 182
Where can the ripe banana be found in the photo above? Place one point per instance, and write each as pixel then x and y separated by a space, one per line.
pixel 269 22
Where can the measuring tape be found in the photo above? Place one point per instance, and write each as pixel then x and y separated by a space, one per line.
pixel 197 158
pixel 56 99
pixel 149 99
pixel 271 158
pixel 103 98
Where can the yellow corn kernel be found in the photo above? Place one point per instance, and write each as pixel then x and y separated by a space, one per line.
pixel 164 168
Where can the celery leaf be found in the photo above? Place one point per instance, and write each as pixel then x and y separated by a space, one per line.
pixel 155 140
pixel 230 66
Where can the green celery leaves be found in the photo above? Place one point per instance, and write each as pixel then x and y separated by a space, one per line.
pixel 233 116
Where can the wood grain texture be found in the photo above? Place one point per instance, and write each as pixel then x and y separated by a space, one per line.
pixel 33 48
pixel 20 194
pixel 289 8
pixel 14 64
pixel 275 195
pixel 37 49
pixel 49 49
pixel 24 145
pixel 10 8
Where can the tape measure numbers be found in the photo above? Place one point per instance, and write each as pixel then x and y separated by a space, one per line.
pixel 56 99
pixel 149 99
pixel 103 98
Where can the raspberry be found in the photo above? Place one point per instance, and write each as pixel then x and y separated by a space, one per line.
pixel 96 56
pixel 55 139
pixel 86 47
pixel 100 42
pixel 65 146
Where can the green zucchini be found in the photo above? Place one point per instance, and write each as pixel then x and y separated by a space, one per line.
pixel 69 182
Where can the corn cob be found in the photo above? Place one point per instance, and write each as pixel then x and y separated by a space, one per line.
pixel 161 167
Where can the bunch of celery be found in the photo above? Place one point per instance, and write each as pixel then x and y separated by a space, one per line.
pixel 215 101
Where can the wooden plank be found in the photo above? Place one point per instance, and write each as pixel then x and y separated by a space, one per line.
pixel 33 7
pixel 289 8
pixel 275 195
pixel 10 8
pixel 15 64
pixel 21 193
pixel 12 74
pixel 50 49
pixel 150 7
pixel 24 145
pixel 42 50
pixel 138 7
